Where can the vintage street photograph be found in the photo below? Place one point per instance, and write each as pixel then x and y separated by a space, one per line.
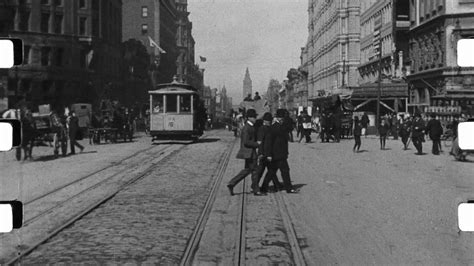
pixel 238 132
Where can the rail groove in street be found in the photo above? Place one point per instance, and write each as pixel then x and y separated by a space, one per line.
pixel 169 151
pixel 84 191
pixel 193 242
pixel 298 257
pixel 88 175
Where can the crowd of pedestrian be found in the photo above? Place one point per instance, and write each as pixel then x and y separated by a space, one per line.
pixel 265 147
pixel 264 144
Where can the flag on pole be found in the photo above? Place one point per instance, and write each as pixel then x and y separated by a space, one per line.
pixel 89 57
pixel 203 59
pixel 153 44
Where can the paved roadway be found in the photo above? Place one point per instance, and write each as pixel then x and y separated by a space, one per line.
pixel 380 207
pixel 374 207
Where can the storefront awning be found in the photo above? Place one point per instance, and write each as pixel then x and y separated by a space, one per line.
pixel 454 96
pixel 388 90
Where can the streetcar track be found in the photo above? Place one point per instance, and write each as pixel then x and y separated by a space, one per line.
pixel 240 239
pixel 193 242
pixel 87 189
pixel 88 175
pixel 95 205
pixel 297 253
pixel 240 257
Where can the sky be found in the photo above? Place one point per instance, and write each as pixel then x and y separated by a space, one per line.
pixel 264 35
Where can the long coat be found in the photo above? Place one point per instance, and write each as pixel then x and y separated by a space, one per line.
pixel 277 147
pixel 417 128
pixel 434 129
pixel 73 126
pixel 248 143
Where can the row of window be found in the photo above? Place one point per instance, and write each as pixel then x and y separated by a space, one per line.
pixel 48 23
pixel 368 26
pixel 48 55
pixel 171 103
pixel 82 3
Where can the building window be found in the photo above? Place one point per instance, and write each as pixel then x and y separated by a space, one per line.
pixel 45 2
pixel 144 11
pixel 45 51
pixel 95 26
pixel 58 2
pixel 144 28
pixel 26 55
pixel 82 26
pixel 45 22
pixel 24 20
pixel 59 56
pixel 83 58
pixel 45 84
pixel 58 24
pixel 82 3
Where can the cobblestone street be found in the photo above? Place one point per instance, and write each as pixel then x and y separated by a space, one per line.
pixel 148 222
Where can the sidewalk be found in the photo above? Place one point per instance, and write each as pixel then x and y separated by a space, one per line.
pixel 25 180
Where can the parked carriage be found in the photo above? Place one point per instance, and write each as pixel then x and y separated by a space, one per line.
pixel 176 112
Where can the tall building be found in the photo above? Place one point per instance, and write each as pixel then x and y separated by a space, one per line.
pixel 155 24
pixel 301 87
pixel 185 41
pixel 247 88
pixel 435 78
pixel 384 26
pixel 71 50
pixel 333 42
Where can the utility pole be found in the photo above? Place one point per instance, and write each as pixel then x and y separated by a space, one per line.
pixel 379 87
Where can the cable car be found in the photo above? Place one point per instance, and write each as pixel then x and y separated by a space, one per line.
pixel 175 112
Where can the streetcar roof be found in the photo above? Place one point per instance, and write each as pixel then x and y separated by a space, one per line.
pixel 173 88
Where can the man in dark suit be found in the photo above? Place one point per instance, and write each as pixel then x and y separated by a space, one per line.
pixel 417 133
pixel 262 138
pixel 248 146
pixel 434 130
pixel 276 152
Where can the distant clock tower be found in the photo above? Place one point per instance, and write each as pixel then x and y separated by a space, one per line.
pixel 247 89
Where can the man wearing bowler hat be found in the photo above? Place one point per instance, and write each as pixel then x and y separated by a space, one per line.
pixel 248 146
pixel 417 136
pixel 262 138
pixel 276 152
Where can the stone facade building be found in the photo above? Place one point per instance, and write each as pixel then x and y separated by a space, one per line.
pixel 301 87
pixel 247 87
pixel 71 50
pixel 384 26
pixel 185 41
pixel 436 80
pixel 334 37
pixel 155 24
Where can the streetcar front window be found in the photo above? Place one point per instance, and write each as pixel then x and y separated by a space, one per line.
pixel 172 103
pixel 185 104
pixel 157 101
